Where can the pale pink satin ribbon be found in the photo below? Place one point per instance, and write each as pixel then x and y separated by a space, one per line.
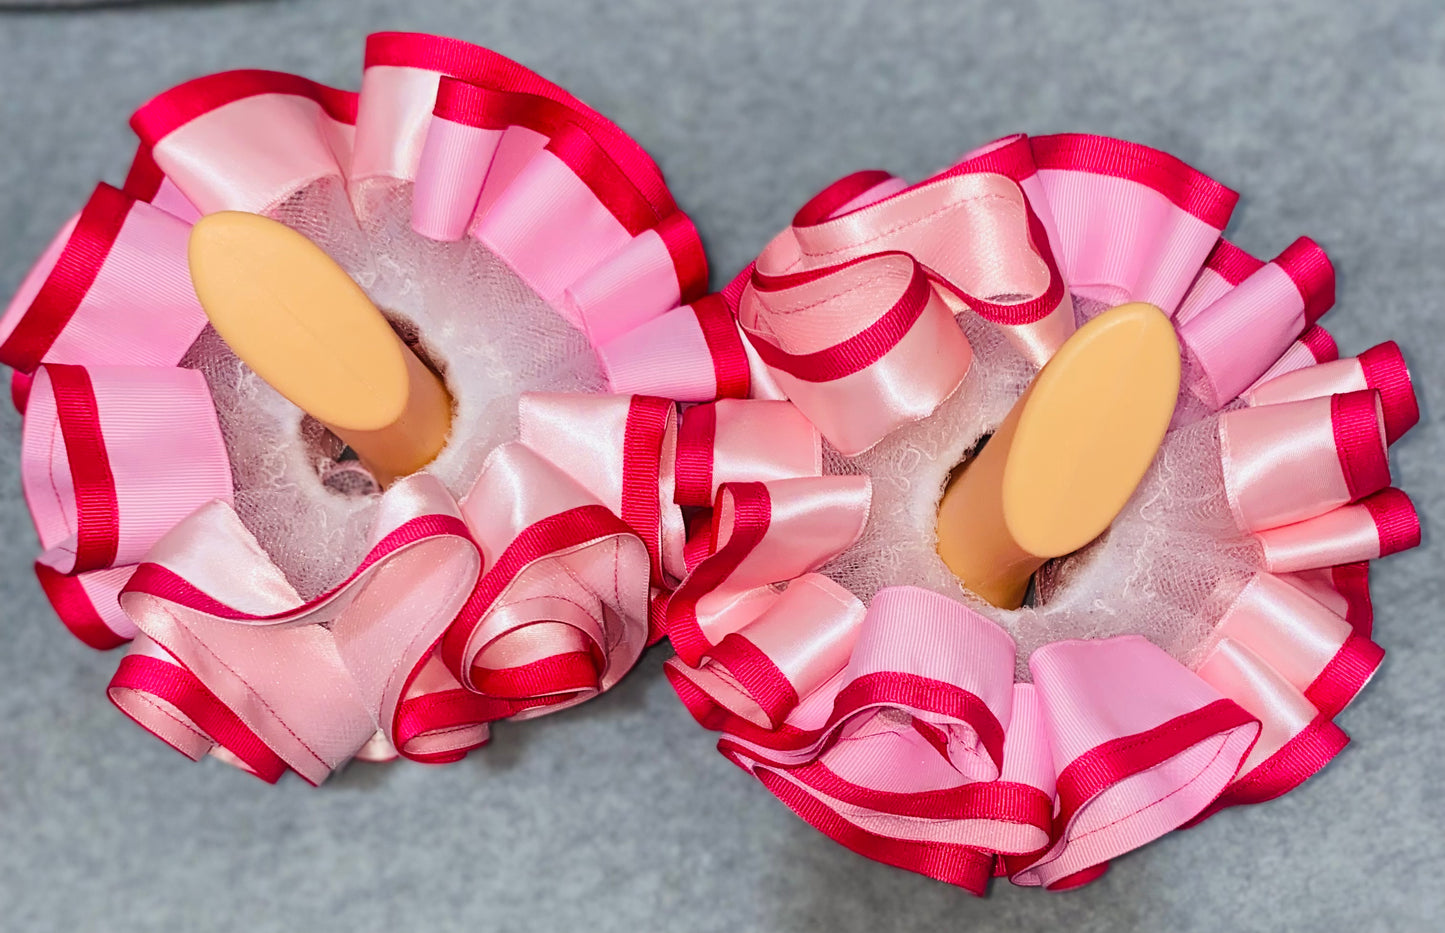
pixel 1296 740
pixel 82 304
pixel 852 314
pixel 583 214
pixel 558 192
pixel 895 368
pixel 1376 526
pixel 900 733
pixel 1344 588
pixel 312 680
pixel 1295 460
pixel 1381 368
pixel 762 534
pixel 487 142
pixel 765 664
pixel 244 140
pixel 833 323
pixel 568 200
pixel 1313 647
pixel 581 530
pixel 575 541
pixel 1235 339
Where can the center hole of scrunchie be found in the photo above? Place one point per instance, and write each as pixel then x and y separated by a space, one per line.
pixel 337 465
pixel 1066 458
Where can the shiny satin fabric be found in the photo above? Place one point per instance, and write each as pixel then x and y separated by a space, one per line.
pixel 1376 526
pixel 853 315
pixel 313 680
pixel 1291 461
pixel 921 745
pixel 565 198
pixel 419 644
pixel 893 370
pixel 1381 368
pixel 897 754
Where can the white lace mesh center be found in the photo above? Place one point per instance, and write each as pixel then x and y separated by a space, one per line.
pixel 1166 569
pixel 493 337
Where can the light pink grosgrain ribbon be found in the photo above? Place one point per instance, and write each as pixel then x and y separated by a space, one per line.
pixel 899 731
pixel 418 650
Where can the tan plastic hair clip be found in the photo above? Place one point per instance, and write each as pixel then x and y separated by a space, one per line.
pixel 296 318
pixel 1068 456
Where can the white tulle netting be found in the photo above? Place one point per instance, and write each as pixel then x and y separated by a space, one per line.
pixel 490 336
pixel 1167 568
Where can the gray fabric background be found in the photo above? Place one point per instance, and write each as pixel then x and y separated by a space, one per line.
pixel 1329 117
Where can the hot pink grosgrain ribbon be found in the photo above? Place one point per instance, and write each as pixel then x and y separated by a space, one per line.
pixel 889 276
pixel 899 731
pixel 577 526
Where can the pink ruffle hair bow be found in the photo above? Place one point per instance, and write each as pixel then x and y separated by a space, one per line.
pixel 895 720
pixel 526 588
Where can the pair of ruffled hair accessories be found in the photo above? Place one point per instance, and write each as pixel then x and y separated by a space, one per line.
pixel 1041 370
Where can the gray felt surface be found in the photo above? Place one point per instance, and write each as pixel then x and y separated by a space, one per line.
pixel 1329 117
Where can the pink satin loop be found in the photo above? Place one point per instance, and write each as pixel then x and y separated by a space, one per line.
pixel 1291 461
pixel 1140 743
pixel 378 749
pixel 161 694
pixel 1295 741
pixel 402 85
pixel 567 199
pixel 976 234
pixel 112 457
pixel 1345 589
pixel 1376 526
pixel 1234 340
pixel 146 182
pixel 622 451
pixel 1309 644
pixel 1013 157
pixel 1314 346
pixel 1381 368
pixel 898 757
pixel 1134 223
pixel 762 534
pixel 440 721
pixel 848 193
pixel 313 681
pixel 584 500
pixel 691 354
pixel 861 349
pixel 741 440
pixel 80 304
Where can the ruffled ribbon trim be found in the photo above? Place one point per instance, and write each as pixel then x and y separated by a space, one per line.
pixel 896 727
